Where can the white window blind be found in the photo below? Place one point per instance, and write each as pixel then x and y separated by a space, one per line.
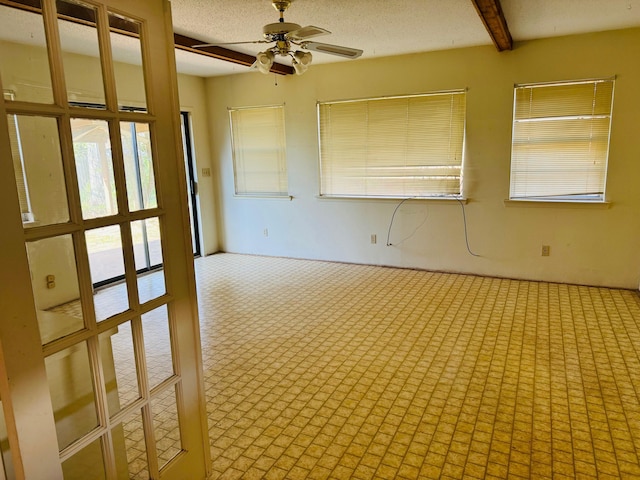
pixel 560 141
pixel 18 164
pixel 259 153
pixel 410 146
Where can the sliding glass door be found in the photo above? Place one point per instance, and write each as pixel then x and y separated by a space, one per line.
pixel 92 149
pixel 192 183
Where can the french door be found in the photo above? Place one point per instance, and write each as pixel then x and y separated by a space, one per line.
pixel 95 384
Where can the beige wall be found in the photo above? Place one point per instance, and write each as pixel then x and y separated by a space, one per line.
pixel 589 244
pixel 23 69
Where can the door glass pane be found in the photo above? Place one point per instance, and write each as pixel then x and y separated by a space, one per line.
pixel 81 52
pixel 92 151
pixel 87 464
pixel 6 463
pixel 17 156
pixel 119 366
pixel 157 345
pixel 52 262
pixel 127 66
pixel 118 443
pixel 135 448
pixel 166 427
pixel 138 164
pixel 110 300
pixel 72 393
pixel 147 246
pixel 25 66
pixel 147 249
pixel 104 246
pixel 37 162
pixel 151 285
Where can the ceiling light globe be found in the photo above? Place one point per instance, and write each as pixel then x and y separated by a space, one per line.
pixel 264 61
pixel 303 58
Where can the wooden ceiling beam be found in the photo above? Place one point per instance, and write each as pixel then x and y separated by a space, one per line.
pixel 491 14
pixel 80 15
pixel 182 42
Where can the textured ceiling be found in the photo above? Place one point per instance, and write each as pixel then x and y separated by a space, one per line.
pixel 383 27
pixel 379 27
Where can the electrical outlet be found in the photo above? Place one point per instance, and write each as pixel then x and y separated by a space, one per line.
pixel 266 232
pixel 206 172
pixel 51 281
pixel 546 250
pixel 374 239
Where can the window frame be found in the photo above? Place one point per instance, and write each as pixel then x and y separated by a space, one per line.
pixel 442 194
pixel 568 198
pixel 280 146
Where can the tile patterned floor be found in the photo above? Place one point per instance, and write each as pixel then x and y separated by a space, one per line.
pixel 325 370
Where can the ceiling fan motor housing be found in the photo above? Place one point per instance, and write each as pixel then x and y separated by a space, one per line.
pixel 274 31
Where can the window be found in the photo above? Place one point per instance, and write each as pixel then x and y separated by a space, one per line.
pixel 18 164
pixel 560 141
pixel 259 158
pixel 409 146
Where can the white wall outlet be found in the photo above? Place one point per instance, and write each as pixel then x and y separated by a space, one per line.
pixel 546 250
pixel 206 172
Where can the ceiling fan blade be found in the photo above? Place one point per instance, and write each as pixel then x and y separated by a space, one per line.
pixel 227 43
pixel 332 49
pixel 306 32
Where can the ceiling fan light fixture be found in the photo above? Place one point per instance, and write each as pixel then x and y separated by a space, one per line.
pixel 303 58
pixel 285 35
pixel 299 68
pixel 264 61
pixel 301 61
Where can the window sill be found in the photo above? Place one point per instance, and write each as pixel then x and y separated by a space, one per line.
pixel 557 204
pixel 257 196
pixel 396 199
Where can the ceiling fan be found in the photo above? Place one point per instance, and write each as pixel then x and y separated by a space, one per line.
pixel 286 37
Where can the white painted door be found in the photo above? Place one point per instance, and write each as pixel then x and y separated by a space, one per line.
pixel 95 383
